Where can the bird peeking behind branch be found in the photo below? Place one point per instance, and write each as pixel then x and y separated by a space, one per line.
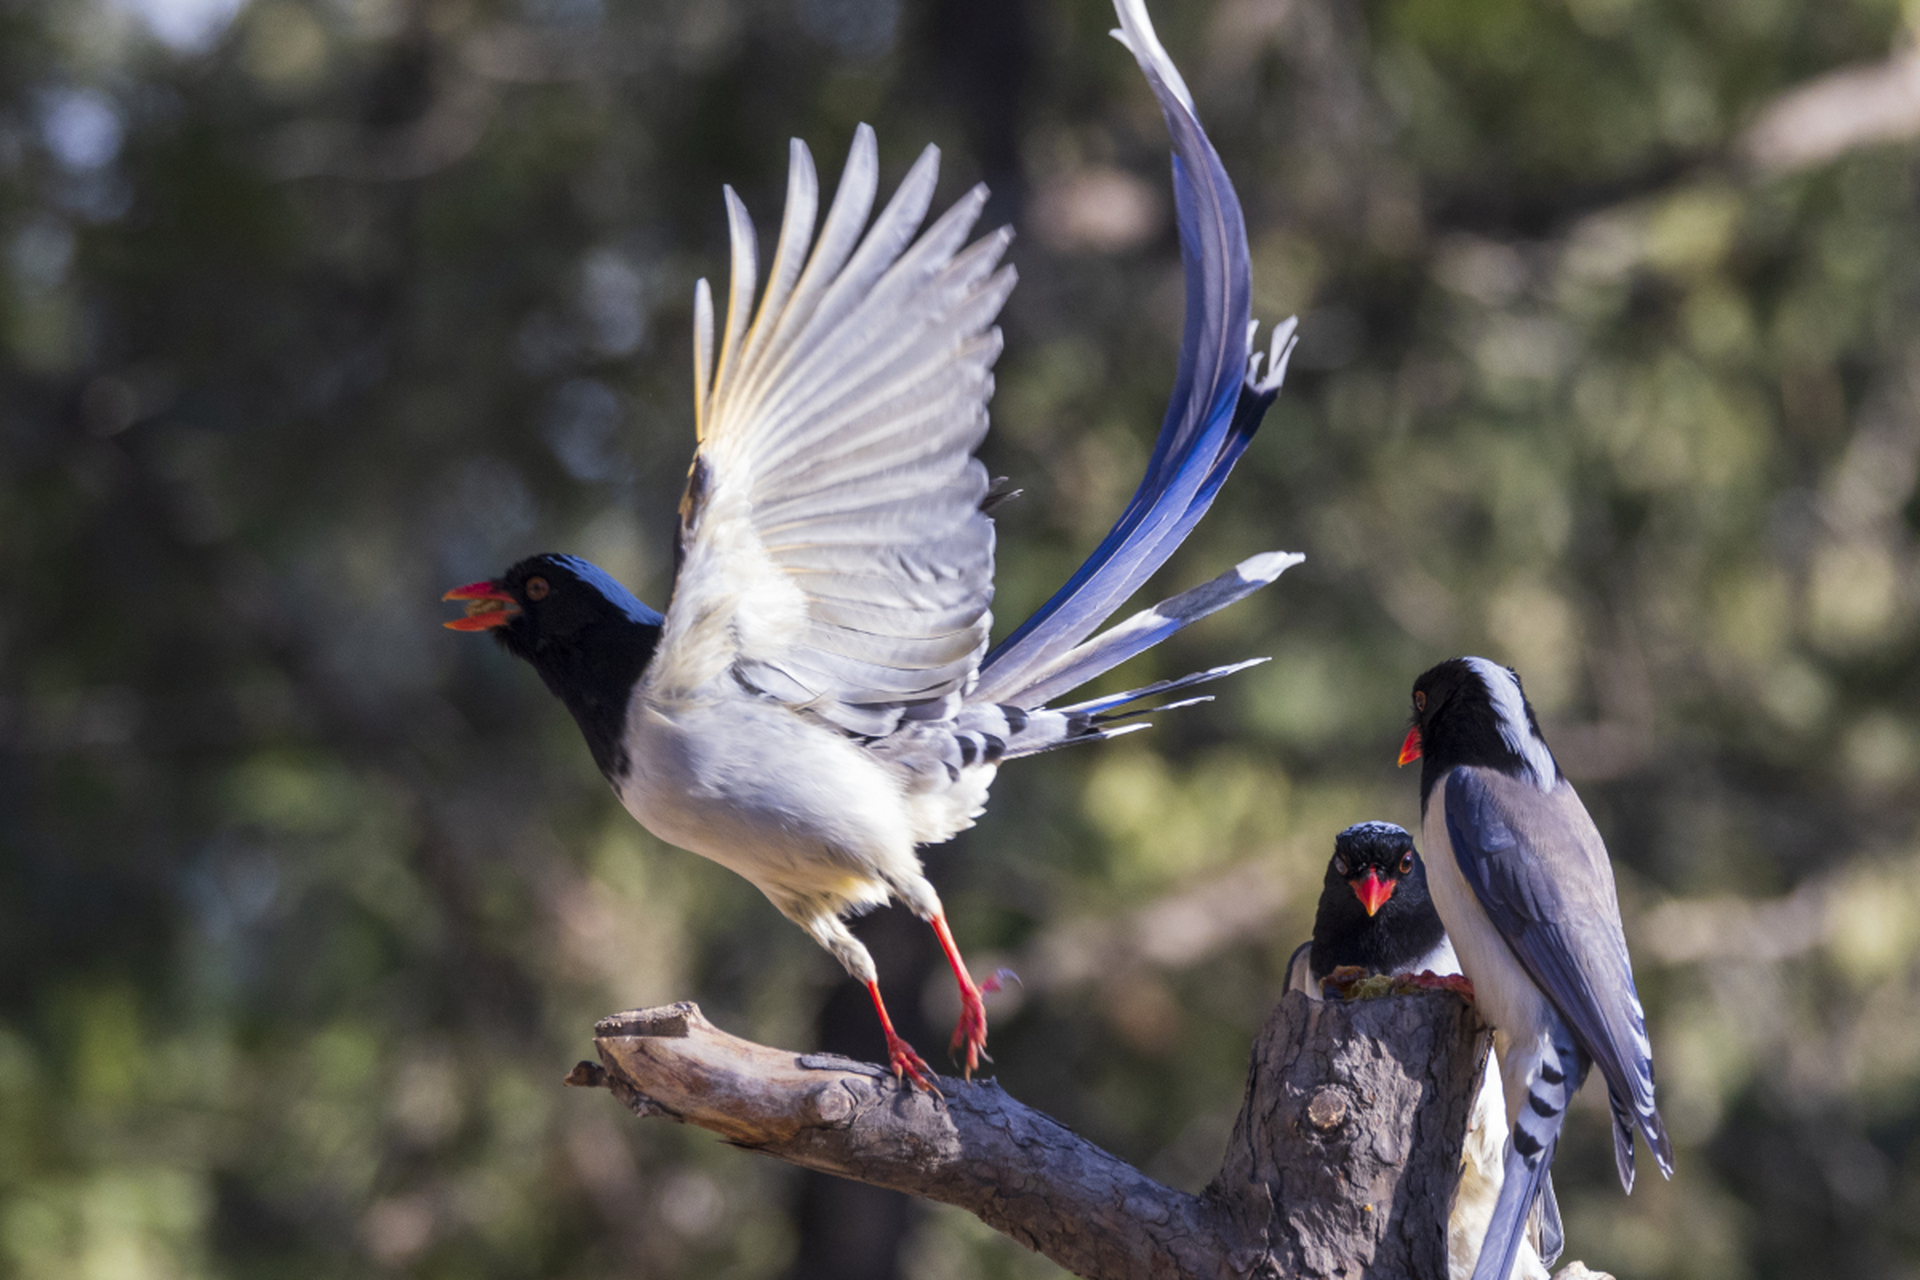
pixel 1522 881
pixel 1375 917
pixel 818 698
pixel 1374 913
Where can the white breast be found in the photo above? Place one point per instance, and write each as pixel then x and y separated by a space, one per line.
pixel 1442 961
pixel 795 807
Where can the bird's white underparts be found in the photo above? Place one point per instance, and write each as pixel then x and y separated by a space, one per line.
pixel 1522 881
pixel 819 699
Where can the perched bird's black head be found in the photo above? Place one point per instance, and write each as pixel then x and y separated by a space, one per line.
pixel 588 637
pixel 1472 711
pixel 1374 910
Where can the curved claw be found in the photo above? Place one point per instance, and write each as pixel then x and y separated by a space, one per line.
pixel 909 1065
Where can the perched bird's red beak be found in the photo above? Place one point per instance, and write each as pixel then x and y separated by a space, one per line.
pixel 1373 890
pixel 1409 750
pixel 487 606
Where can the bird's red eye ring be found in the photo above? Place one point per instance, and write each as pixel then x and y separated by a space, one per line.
pixel 1419 700
pixel 537 588
pixel 1406 862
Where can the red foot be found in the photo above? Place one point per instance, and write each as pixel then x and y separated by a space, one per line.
pixel 970 1033
pixel 1431 981
pixel 900 1055
pixel 909 1065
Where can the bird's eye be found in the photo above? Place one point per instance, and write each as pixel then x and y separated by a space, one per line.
pixel 1339 866
pixel 537 588
pixel 1406 862
pixel 1419 700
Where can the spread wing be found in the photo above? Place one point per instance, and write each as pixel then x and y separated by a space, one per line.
pixel 1540 870
pixel 834 555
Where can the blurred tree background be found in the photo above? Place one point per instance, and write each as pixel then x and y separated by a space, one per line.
pixel 310 309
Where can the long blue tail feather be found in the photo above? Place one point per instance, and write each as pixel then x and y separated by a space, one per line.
pixel 1554 1072
pixel 1521 1187
pixel 1553 1233
pixel 1069 670
pixel 1215 408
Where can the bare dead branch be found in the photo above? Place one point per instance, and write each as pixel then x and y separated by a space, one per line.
pixel 1342 1162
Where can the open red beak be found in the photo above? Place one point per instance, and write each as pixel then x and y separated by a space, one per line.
pixel 487 606
pixel 1409 750
pixel 1373 890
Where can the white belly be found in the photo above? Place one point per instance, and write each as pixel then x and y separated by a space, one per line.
pixel 800 810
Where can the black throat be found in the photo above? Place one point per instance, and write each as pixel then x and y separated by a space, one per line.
pixel 594 670
pixel 1405 929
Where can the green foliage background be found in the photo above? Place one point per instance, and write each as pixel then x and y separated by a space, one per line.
pixel 310 309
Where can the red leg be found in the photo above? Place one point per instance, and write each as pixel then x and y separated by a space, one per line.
pixel 900 1054
pixel 971 1030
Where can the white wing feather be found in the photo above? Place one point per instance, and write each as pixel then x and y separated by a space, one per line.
pixel 834 554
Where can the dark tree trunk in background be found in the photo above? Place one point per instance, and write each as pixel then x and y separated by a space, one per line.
pixel 852 1230
pixel 984 58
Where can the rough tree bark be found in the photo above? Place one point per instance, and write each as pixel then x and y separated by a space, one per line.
pixel 1342 1162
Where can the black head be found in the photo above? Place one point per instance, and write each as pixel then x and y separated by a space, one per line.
pixel 1472 711
pixel 547 600
pixel 588 637
pixel 1372 858
pixel 1374 910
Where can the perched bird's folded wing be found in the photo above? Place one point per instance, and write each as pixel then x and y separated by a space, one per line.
pixel 1540 870
pixel 1300 972
pixel 833 550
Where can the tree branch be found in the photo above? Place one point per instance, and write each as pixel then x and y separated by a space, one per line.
pixel 1342 1162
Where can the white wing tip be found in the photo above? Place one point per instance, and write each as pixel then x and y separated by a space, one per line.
pixel 1279 356
pixel 1183 703
pixel 702 350
pixel 1136 32
pixel 1267 566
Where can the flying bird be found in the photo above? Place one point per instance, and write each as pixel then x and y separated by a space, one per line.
pixel 1521 879
pixel 1375 916
pixel 819 699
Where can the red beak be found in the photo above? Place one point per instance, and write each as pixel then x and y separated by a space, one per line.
pixel 487 606
pixel 1373 890
pixel 1409 750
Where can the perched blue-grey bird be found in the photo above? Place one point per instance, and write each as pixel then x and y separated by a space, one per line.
pixel 1522 881
pixel 818 698
pixel 1375 916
